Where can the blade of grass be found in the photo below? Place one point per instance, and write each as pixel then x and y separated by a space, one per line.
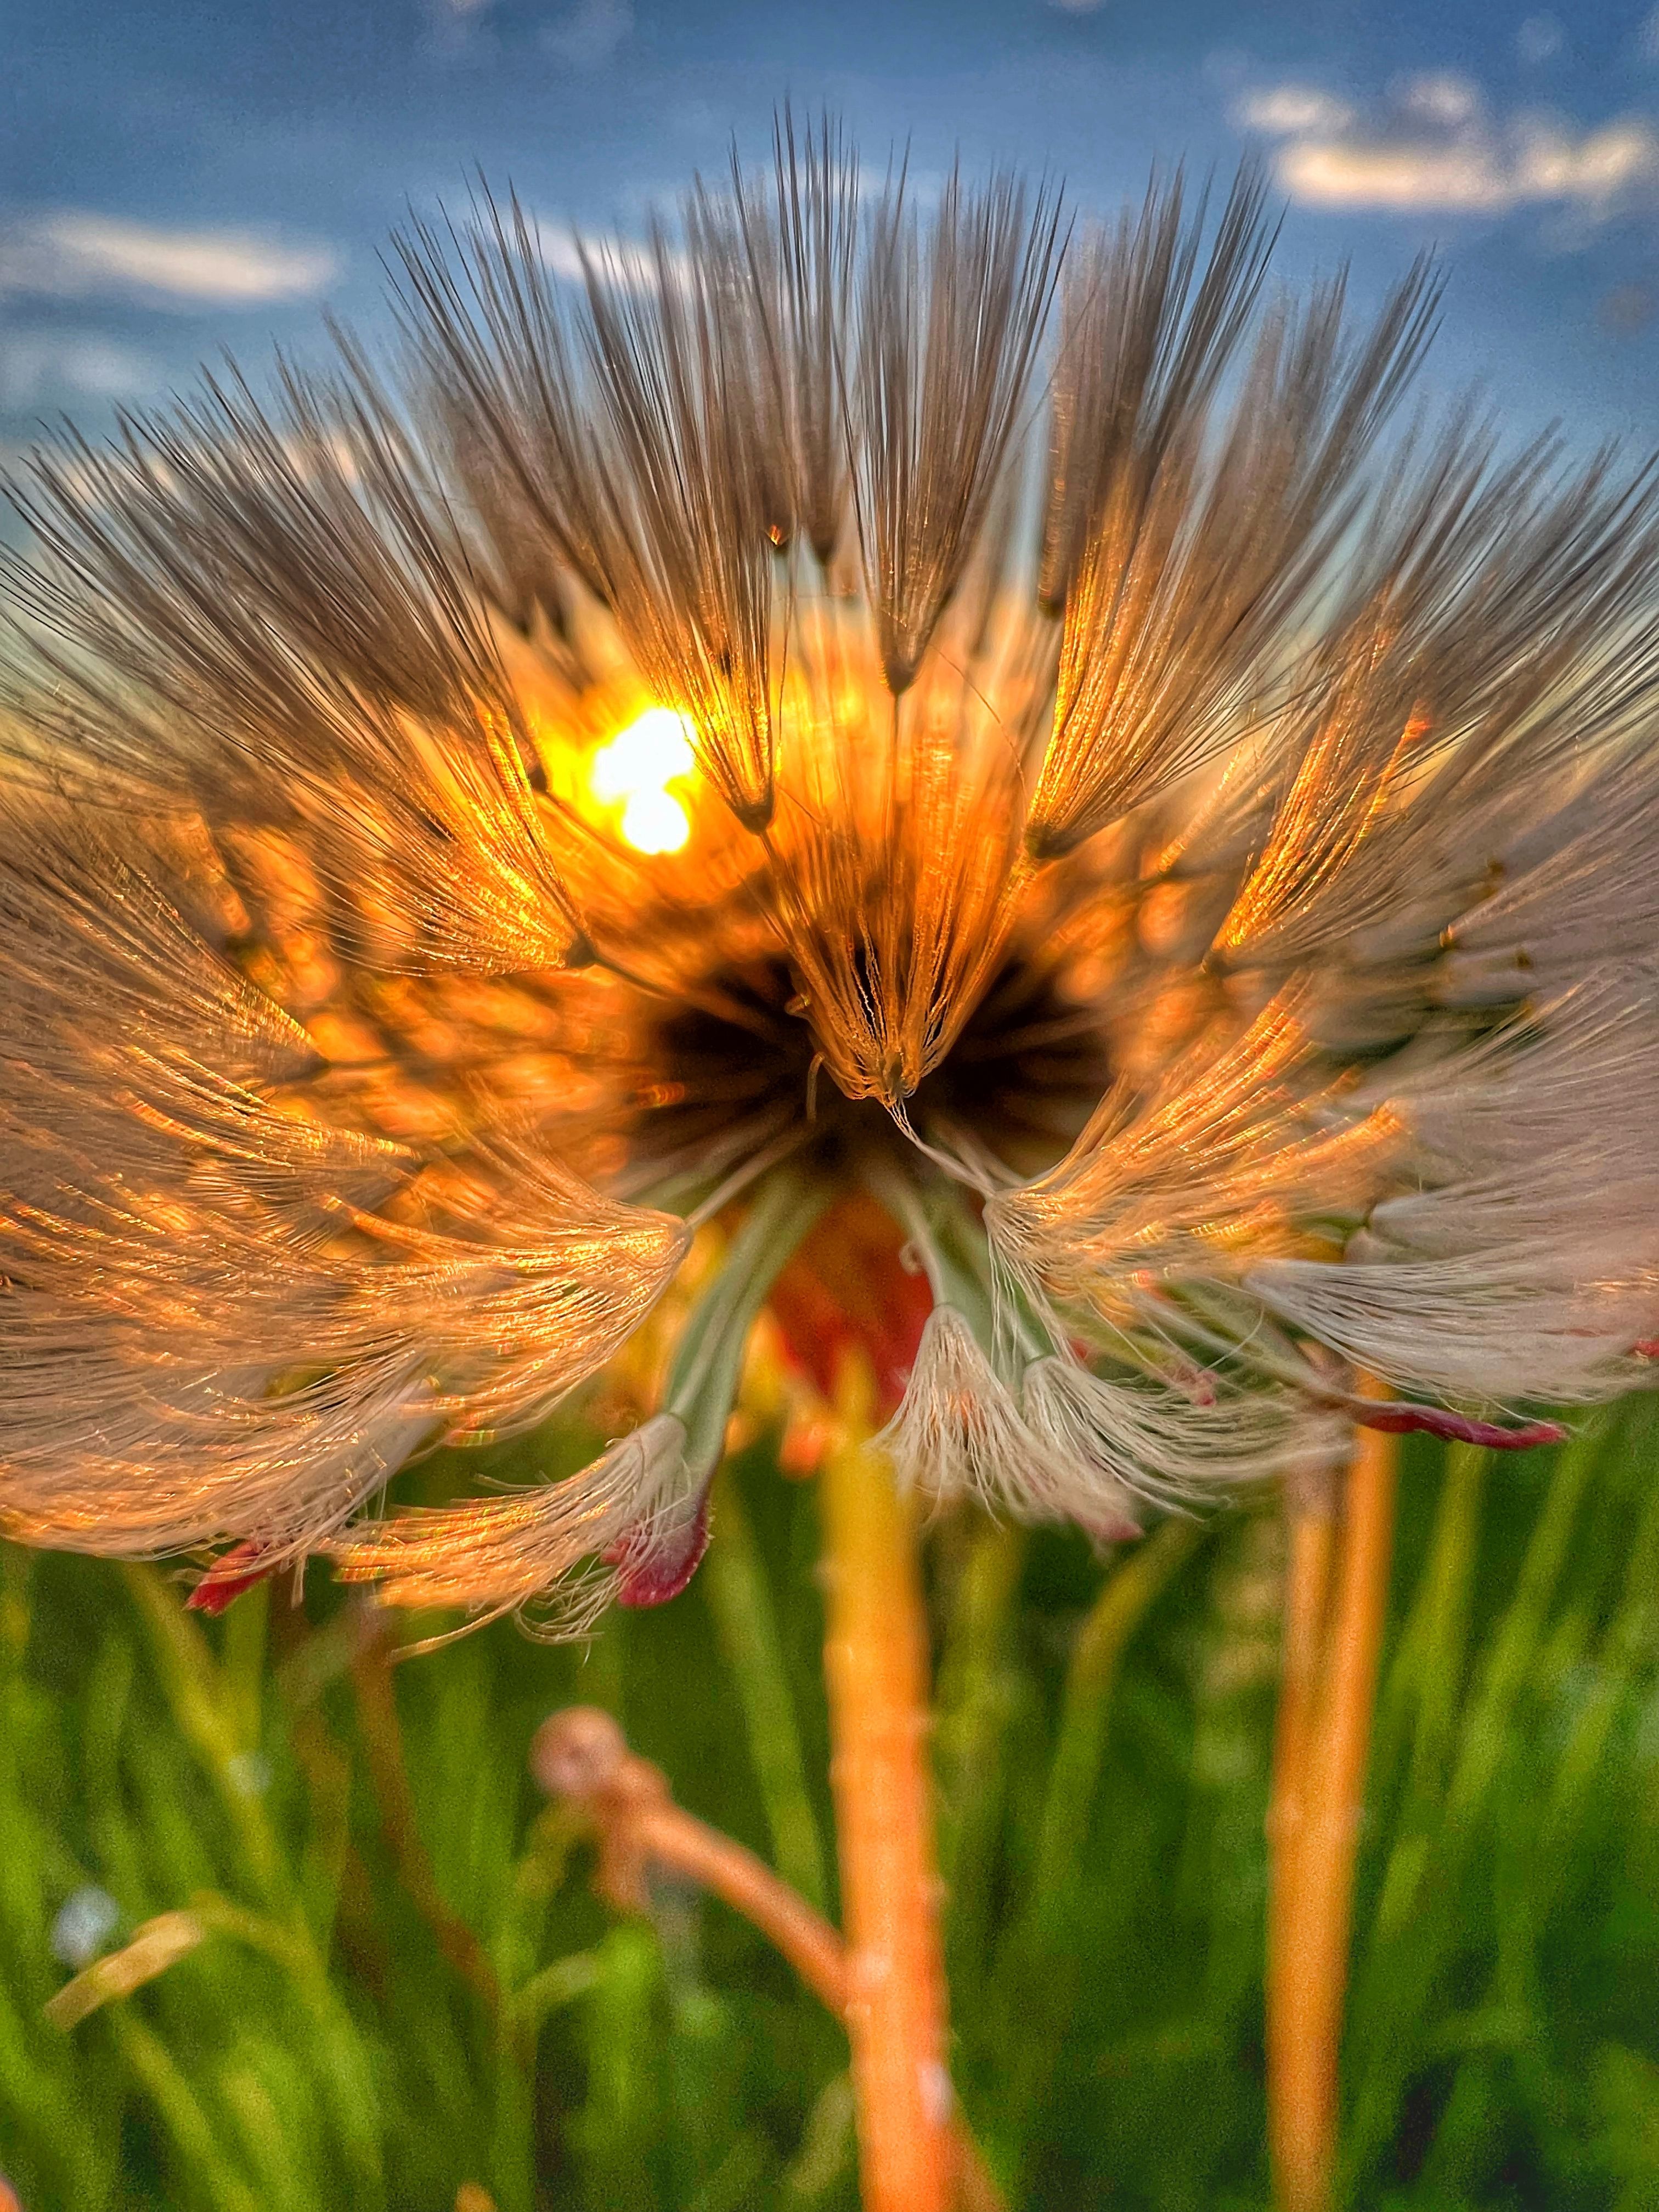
pixel 970 1704
pixel 203 2164
pixel 1042 1975
pixel 1427 1677
pixel 734 1582
pixel 381 1735
pixel 207 1720
pixel 1406 1957
pixel 1131 1588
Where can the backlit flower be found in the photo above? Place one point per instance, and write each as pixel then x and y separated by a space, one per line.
pixel 963 772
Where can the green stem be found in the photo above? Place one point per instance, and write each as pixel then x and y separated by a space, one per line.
pixel 1425 1683
pixel 1406 1957
pixel 554 1986
pixel 1485 1731
pixel 200 2146
pixel 734 1581
pixel 971 1706
pixel 1047 1977
pixel 1130 1592
pixel 1630 1639
pixel 207 1720
pixel 703 1381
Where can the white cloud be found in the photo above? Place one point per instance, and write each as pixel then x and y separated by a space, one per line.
pixel 460 30
pixel 72 253
pixel 1292 110
pixel 1435 147
pixel 589 35
pixel 45 367
pixel 1332 174
pixel 1540 39
pixel 1439 98
pixel 563 250
pixel 624 260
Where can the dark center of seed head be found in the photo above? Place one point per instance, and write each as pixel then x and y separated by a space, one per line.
pixel 1023 1076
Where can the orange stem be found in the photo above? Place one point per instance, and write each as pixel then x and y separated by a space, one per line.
pixel 1311 1514
pixel 678 1839
pixel 581 1756
pixel 875 1666
pixel 1324 1741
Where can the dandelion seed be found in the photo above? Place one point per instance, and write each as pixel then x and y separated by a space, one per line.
pixel 635 782
pixel 85 1921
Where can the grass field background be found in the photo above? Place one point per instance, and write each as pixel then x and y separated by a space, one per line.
pixel 393 1987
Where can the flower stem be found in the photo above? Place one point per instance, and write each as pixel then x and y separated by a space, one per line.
pixel 1329 1689
pixel 1133 1586
pixel 876 1669
pixel 581 1757
pixel 739 1596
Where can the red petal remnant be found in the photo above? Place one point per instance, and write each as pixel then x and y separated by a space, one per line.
pixel 1395 1418
pixel 232 1572
pixel 651 1569
pixel 808 1434
pixel 846 1289
pixel 1112 1528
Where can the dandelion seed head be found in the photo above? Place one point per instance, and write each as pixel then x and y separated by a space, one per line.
pixel 966 782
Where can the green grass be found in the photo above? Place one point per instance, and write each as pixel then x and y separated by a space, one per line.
pixel 402 1989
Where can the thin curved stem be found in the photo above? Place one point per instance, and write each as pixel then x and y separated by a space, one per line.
pixel 677 1838
pixel 581 1757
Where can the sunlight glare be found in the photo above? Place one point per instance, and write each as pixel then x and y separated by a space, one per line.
pixel 635 769
pixel 653 748
pixel 655 822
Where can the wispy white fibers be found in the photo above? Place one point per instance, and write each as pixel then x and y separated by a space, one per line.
pixel 1164 1445
pixel 1069 1444
pixel 206 1330
pixel 635 1510
pixel 1524 1264
pixel 1243 1127
pixel 960 1431
pixel 1501 1325
pixel 1218 936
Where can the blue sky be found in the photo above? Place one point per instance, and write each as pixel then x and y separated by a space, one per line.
pixel 179 177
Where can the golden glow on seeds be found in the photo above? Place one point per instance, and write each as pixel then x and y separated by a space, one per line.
pixel 634 771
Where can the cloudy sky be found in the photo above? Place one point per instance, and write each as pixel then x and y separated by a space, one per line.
pixel 181 177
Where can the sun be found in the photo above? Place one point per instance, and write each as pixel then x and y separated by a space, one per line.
pixel 634 771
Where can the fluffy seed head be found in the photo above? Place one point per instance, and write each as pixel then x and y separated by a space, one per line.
pixel 1170 844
